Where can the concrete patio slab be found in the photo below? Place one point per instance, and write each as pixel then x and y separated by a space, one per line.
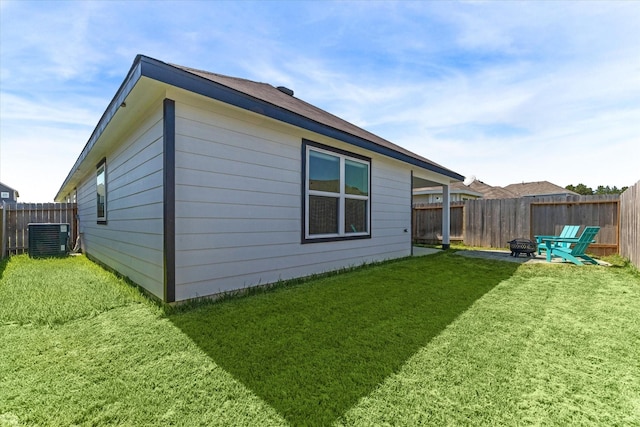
pixel 420 251
pixel 522 259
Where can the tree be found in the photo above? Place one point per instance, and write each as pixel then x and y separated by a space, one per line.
pixel 580 189
pixel 588 191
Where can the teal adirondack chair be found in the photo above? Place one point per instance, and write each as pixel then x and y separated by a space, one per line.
pixel 567 231
pixel 576 254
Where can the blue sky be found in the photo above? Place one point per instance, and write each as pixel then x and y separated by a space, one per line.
pixel 506 91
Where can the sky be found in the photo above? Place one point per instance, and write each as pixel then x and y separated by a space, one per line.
pixel 507 92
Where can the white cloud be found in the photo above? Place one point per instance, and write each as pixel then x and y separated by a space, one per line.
pixel 475 86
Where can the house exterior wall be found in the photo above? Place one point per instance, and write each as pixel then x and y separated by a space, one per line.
pixel 239 202
pixel 131 241
pixel 7 194
pixel 437 198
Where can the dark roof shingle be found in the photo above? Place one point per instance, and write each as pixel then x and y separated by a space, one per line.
pixel 271 94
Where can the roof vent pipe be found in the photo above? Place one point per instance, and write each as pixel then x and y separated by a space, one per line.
pixel 285 90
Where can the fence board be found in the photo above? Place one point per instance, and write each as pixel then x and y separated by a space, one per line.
pixel 426 215
pixel 493 222
pixel 17 217
pixel 630 224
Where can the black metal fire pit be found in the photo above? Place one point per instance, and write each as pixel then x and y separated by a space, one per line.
pixel 522 246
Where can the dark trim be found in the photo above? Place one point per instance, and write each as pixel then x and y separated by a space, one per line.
pixel 303 192
pixel 144 66
pixel 183 79
pixel 103 163
pixel 169 198
pixel 335 239
pixel 303 235
pixel 125 88
pixel 306 142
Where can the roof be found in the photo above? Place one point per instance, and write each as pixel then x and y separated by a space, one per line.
pixel 538 188
pixel 260 98
pixel 512 191
pixel 455 188
pixel 274 96
pixel 6 187
pixel 491 192
pixel 477 187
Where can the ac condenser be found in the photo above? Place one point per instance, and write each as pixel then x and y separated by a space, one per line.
pixel 48 240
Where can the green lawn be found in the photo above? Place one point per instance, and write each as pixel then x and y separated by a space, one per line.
pixel 435 340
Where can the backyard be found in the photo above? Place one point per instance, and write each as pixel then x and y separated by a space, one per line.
pixel 433 340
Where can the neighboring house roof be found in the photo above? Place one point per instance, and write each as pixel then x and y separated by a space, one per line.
pixel 491 192
pixel 512 191
pixel 538 188
pixel 455 188
pixel 260 98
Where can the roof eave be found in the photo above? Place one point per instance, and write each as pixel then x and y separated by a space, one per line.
pixel 144 66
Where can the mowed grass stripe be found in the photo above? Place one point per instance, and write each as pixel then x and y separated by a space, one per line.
pixel 312 351
pixel 435 340
pixel 553 345
pixel 57 290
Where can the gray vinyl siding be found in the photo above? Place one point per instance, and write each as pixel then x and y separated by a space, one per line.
pixel 132 240
pixel 238 203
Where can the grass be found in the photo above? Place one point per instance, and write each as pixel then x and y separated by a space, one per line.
pixel 433 340
pixel 312 351
pixel 56 291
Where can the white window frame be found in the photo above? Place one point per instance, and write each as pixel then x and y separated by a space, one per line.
pixel 342 196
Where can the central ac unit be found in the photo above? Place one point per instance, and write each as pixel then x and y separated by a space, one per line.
pixel 48 240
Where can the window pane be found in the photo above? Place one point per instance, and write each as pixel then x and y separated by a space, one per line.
pixel 356 178
pixel 101 193
pixel 324 172
pixel 323 215
pixel 355 216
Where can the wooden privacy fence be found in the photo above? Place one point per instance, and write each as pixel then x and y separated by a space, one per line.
pixel 493 222
pixel 426 216
pixel 14 231
pixel 630 224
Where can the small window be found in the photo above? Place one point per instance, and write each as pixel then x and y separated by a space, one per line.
pixel 336 203
pixel 101 192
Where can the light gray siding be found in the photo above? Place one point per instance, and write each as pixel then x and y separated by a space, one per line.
pixel 238 203
pixel 132 240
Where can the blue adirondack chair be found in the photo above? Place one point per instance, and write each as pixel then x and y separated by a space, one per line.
pixel 567 231
pixel 576 254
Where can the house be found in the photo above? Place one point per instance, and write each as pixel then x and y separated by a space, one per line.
pixel 477 189
pixel 538 189
pixel 195 183
pixel 458 192
pixel 8 194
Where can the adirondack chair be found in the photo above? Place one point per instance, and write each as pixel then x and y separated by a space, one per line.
pixel 576 254
pixel 567 231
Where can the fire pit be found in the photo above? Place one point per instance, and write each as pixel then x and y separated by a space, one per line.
pixel 522 246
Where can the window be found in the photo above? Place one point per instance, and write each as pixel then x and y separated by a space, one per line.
pixel 337 200
pixel 101 192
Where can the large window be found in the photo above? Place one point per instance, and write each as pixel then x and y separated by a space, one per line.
pixel 101 190
pixel 336 202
